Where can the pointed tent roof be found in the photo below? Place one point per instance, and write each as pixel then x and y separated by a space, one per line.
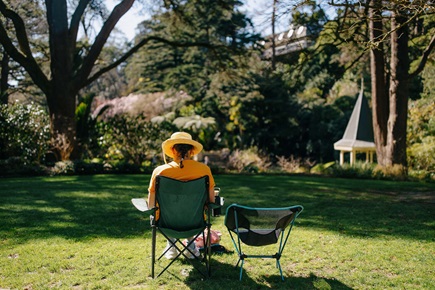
pixel 359 130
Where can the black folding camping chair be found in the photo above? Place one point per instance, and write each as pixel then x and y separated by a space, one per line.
pixel 184 211
pixel 260 227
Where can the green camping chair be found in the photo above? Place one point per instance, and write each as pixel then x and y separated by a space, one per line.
pixel 260 227
pixel 181 205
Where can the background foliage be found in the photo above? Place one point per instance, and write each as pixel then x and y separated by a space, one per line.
pixel 225 93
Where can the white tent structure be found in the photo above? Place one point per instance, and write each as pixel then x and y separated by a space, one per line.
pixel 358 137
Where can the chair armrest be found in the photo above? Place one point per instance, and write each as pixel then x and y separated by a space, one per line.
pixel 142 205
pixel 213 206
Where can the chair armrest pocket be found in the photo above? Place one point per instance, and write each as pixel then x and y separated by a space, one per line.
pixel 142 205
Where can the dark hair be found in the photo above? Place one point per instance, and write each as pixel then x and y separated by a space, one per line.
pixel 182 150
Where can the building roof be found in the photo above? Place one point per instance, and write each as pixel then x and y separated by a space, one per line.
pixel 359 130
pixel 291 40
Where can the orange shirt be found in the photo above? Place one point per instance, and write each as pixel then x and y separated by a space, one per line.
pixel 192 170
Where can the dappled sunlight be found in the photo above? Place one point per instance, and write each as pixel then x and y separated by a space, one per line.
pixel 73 207
pixel 87 231
pixel 334 204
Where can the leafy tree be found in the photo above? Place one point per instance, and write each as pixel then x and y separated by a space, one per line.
pixel 163 66
pixel 198 70
pixel 74 62
pixel 231 99
pixel 390 107
pixel 70 64
pixel 387 27
pixel 14 79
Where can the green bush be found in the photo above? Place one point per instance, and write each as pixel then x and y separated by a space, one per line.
pixel 15 166
pixel 358 170
pixel 395 172
pixel 24 132
pixel 417 175
pixel 421 156
pixel 63 168
pixel 322 168
pixel 290 164
pixel 88 167
pixel 248 161
pixel 126 142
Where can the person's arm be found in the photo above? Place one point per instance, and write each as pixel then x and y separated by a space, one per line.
pixel 152 190
pixel 211 195
pixel 151 199
pixel 211 189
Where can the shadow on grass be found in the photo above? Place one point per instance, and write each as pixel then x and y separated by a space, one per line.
pixel 75 207
pixel 226 276
pixel 366 208
pixel 82 207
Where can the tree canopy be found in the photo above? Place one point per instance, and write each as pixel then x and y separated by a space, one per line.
pixel 291 105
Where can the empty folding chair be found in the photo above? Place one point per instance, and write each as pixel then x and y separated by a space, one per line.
pixel 260 227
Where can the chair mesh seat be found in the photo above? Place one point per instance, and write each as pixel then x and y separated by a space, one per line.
pixel 260 227
pixel 259 237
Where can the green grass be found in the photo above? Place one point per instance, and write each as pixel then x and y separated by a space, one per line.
pixel 81 232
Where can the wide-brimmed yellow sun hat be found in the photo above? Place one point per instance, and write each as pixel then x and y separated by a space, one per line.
pixel 180 138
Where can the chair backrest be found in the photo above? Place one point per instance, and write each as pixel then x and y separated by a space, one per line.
pixel 260 226
pixel 181 203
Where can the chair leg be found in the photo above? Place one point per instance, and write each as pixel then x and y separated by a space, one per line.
pixel 153 250
pixel 241 269
pixel 278 265
pixel 207 251
pixel 182 249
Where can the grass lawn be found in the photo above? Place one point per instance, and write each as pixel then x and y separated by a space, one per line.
pixel 82 232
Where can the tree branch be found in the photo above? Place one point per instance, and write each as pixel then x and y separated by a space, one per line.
pixel 89 61
pixel 75 21
pixel 424 58
pixel 19 28
pixel 142 43
pixel 24 59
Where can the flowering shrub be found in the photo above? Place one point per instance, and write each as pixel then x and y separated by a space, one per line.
pixel 24 132
pixel 250 161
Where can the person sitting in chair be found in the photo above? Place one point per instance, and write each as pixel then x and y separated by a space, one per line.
pixel 181 148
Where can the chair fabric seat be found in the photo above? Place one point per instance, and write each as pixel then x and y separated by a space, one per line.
pixel 182 234
pixel 260 227
pixel 259 237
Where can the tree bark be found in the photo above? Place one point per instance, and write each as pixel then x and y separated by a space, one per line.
pixel 390 108
pixel 4 86
pixel 380 101
pixel 399 90
pixel 273 35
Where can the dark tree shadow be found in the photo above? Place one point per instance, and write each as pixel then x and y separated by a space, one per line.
pixel 82 207
pixel 365 208
pixel 226 276
pixel 79 207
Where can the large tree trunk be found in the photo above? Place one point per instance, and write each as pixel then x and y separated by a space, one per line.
pixel 380 104
pixel 389 107
pixel 63 123
pixel 399 91
pixel 61 98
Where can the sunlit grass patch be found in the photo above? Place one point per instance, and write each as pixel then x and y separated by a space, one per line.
pixel 82 232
